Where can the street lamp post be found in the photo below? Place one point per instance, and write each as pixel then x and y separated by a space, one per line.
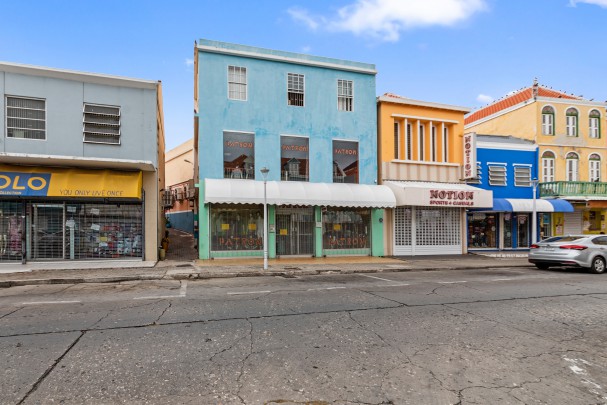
pixel 534 182
pixel 264 172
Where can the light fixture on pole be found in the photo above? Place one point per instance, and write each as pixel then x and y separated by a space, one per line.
pixel 534 182
pixel 264 172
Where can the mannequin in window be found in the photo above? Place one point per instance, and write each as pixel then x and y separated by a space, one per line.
pixel 14 235
pixel 3 233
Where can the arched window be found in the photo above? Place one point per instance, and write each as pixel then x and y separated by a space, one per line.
pixel 573 165
pixel 547 167
pixel 594 167
pixel 547 120
pixel 594 124
pixel 572 115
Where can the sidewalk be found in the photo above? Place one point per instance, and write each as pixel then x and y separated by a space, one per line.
pixel 98 272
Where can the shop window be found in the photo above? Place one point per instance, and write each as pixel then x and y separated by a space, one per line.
pixel 295 89
pixel 238 155
pixel 482 230
pixel 25 118
pixel 237 83
pixel 345 162
pixel 101 124
pixel 345 95
pixel 294 158
pixel 11 228
pixel 345 228
pixel 522 176
pixel 497 175
pixel 236 228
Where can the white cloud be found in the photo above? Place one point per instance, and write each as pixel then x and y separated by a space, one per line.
pixel 189 62
pixel 303 16
pixel 601 3
pixel 306 49
pixel 484 99
pixel 386 19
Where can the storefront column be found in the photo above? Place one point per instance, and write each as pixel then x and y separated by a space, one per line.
pixel 318 232
pixel 204 238
pixel 377 232
pixel 272 231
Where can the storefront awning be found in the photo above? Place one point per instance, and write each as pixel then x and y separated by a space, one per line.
pixel 235 191
pixel 526 205
pixel 427 194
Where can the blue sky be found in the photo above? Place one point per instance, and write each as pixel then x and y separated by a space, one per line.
pixel 462 52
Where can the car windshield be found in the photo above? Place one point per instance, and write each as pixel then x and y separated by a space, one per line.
pixel 562 239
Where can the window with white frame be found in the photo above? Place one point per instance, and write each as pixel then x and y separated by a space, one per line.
pixel 595 124
pixel 295 89
pixel 237 83
pixel 571 116
pixel 445 144
pixel 522 176
pixel 594 166
pixel 479 175
pixel 497 174
pixel 547 120
pixel 572 160
pixel 25 118
pixel 345 95
pixel 547 167
pixel 101 124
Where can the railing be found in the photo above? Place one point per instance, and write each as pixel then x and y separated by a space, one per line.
pixel 573 188
pixel 238 173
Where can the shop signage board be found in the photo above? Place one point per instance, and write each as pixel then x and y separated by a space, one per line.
pixel 469 156
pixel 24 181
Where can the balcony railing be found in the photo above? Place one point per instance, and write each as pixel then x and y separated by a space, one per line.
pixel 573 189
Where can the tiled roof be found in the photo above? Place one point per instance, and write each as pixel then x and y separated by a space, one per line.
pixel 514 99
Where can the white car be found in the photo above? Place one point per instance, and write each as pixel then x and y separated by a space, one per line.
pixel 587 251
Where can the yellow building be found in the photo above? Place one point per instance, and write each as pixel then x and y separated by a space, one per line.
pixel 420 150
pixel 570 133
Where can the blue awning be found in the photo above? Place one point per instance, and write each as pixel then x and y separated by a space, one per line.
pixel 526 205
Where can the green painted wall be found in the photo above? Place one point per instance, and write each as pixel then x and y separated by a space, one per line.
pixel 377 232
pixel 318 232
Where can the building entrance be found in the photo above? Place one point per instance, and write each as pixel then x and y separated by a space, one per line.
pixel 294 231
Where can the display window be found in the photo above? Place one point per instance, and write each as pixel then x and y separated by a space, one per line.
pixel 236 228
pixel 294 158
pixel 482 230
pixel 238 155
pixel 345 162
pixel 345 228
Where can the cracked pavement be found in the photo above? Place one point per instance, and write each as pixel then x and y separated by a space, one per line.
pixel 528 337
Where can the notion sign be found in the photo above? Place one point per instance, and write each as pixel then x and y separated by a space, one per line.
pixel 469 156
pixel 452 198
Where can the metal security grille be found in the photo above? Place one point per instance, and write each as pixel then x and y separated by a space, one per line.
pixel 11 227
pixel 25 118
pixel 101 124
pixel 295 231
pixel 438 226
pixel 402 226
pixel 46 232
pixel 295 89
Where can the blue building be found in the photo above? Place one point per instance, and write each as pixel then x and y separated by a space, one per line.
pixel 508 167
pixel 311 122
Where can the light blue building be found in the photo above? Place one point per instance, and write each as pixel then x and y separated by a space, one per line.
pixel 507 166
pixel 312 122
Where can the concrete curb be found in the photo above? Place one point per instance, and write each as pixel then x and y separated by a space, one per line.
pixel 201 274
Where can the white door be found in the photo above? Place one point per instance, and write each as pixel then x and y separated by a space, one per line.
pixel 573 223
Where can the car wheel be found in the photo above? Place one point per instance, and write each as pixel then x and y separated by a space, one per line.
pixel 598 265
pixel 542 266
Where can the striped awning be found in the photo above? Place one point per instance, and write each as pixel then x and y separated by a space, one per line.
pixel 526 205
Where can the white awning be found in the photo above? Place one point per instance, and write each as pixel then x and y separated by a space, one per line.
pixel 235 191
pixel 427 194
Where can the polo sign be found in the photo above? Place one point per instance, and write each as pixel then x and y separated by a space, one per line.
pixel 24 184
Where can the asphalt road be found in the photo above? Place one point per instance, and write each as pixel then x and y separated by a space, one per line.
pixel 495 336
